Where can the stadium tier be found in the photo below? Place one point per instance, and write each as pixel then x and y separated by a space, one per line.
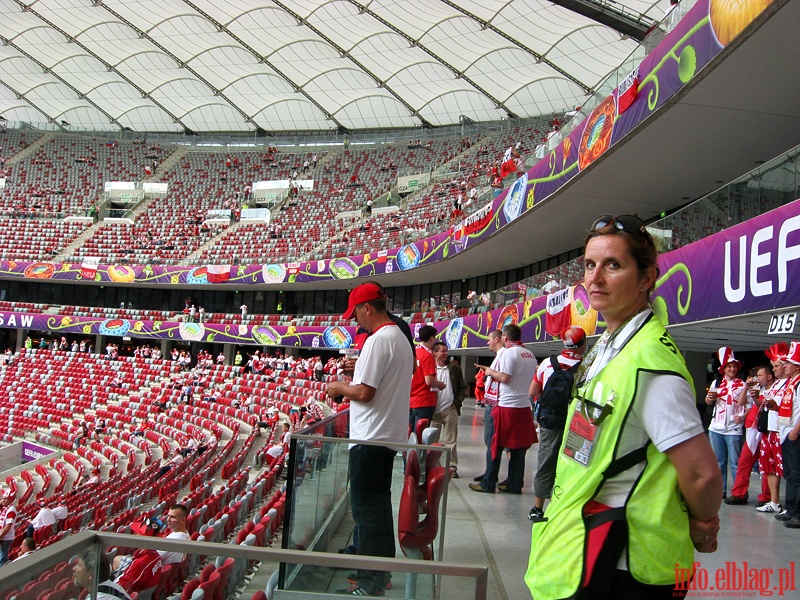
pixel 64 176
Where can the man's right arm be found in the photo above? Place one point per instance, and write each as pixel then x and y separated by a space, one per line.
pixel 357 393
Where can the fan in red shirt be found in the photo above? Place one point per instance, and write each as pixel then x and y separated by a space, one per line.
pixel 424 385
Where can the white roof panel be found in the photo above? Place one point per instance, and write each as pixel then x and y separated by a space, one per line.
pixel 299 64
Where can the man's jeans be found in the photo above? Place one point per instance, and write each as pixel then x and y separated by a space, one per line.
pixel 371 505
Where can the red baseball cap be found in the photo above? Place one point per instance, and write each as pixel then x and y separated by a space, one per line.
pixel 573 337
pixel 148 526
pixel 363 293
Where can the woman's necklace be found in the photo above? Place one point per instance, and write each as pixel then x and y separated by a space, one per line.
pixel 604 342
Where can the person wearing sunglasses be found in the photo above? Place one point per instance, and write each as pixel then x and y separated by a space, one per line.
pixel 637 486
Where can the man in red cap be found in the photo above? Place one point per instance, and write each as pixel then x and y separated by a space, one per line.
pixel 142 569
pixel 379 404
pixel 552 405
pixel 362 334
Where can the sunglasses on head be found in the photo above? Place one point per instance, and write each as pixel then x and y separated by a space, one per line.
pixel 629 223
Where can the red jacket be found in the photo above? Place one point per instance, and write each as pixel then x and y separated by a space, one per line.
pixel 144 571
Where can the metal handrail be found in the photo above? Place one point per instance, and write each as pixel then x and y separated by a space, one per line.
pixel 21 572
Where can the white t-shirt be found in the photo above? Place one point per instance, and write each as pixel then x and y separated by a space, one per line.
pixel 783 427
pixel 726 407
pixel 487 382
pixel 667 424
pixel 775 392
pixel 43 518
pixel 173 557
pixel 8 514
pixel 445 397
pixel 566 359
pixel 672 16
pixel 520 364
pixel 386 365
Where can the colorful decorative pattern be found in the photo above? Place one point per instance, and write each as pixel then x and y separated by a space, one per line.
pixel 720 261
pixel 596 137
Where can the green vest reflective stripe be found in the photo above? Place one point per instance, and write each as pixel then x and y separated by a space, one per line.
pixel 658 524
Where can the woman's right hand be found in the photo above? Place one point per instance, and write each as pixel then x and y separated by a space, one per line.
pixel 704 534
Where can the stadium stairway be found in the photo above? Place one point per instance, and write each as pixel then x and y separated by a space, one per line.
pixel 196 256
pixel 30 149
pixel 168 163
pixel 329 158
pixel 77 243
pixel 450 169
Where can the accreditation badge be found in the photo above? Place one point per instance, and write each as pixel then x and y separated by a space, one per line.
pixel 585 426
pixel 580 437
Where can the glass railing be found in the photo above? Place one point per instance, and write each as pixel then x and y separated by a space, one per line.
pixel 317 518
pixel 71 568
pixel 771 185
pixel 317 486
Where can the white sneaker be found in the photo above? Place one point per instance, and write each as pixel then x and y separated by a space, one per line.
pixel 770 507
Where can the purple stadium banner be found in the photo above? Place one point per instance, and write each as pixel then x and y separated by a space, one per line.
pixel 747 268
pixel 34 452
pixel 684 51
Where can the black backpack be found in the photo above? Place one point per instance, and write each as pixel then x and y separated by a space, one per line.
pixel 553 404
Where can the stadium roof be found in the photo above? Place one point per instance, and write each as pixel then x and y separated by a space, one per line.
pixel 300 65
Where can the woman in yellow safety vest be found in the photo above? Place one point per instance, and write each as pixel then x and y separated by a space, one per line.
pixel 637 488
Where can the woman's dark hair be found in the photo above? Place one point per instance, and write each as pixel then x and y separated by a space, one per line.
pixel 640 245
